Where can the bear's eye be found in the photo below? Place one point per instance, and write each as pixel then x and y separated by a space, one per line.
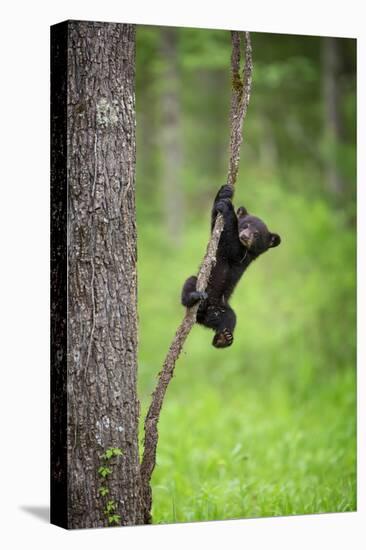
pixel 256 233
pixel 245 226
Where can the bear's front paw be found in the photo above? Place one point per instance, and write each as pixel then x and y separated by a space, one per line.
pixel 199 296
pixel 223 205
pixel 226 192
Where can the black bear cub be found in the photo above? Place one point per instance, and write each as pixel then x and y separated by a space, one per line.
pixel 243 239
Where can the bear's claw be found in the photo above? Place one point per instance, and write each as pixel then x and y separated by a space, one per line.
pixel 223 339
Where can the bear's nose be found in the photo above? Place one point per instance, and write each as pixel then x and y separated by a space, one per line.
pixel 245 234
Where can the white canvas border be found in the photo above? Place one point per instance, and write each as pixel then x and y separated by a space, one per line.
pixel 25 282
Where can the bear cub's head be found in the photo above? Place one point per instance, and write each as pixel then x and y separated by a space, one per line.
pixel 254 234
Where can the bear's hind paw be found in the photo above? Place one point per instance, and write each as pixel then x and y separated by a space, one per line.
pixel 223 339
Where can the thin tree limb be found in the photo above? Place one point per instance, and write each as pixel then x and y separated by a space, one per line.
pixel 241 88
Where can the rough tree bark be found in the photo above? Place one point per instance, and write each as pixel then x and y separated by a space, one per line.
pixel 241 88
pixel 102 404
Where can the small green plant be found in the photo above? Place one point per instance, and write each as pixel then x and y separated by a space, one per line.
pixel 103 491
pixel 114 518
pixel 104 471
pixel 112 451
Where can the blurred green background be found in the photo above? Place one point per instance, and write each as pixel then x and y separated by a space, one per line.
pixel 268 426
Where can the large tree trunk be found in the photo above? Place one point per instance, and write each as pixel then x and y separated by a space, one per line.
pixel 102 404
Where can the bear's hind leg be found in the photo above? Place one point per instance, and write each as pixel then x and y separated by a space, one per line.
pixel 224 332
pixel 222 320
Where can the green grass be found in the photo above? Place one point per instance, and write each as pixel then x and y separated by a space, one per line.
pixel 266 427
pixel 254 452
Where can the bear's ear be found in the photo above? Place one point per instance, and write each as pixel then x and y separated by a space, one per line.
pixel 241 212
pixel 274 240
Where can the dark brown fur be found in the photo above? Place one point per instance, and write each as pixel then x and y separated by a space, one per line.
pixel 243 239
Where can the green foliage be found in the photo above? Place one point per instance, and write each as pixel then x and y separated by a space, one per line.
pixel 104 471
pixel 292 72
pixel 110 506
pixel 114 518
pixel 238 452
pixel 284 133
pixel 204 50
pixel 103 491
pixel 111 452
pixel 268 426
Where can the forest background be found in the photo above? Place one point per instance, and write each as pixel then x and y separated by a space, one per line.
pixel 268 426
